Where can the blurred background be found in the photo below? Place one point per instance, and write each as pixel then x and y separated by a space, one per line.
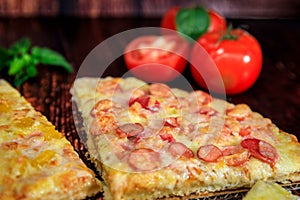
pixel 75 27
pixel 285 9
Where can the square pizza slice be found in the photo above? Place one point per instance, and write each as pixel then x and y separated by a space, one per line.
pixel 151 141
pixel 37 161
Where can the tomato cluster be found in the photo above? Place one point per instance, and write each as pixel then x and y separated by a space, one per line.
pixel 222 59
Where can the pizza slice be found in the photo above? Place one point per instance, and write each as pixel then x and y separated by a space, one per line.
pixel 264 191
pixel 151 141
pixel 36 161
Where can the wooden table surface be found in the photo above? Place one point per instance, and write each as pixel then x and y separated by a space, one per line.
pixel 275 95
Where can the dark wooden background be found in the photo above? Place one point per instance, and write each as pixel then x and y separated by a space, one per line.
pixel 147 8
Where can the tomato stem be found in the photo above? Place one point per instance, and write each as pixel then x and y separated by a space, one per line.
pixel 228 35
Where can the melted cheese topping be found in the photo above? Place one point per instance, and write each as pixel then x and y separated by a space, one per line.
pixel 36 161
pixel 192 119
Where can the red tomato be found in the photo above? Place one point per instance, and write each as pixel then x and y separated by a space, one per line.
pixel 238 61
pixel 157 58
pixel 168 20
pixel 217 21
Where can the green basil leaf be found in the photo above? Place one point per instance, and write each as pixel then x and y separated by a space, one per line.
pixel 21 64
pixel 20 47
pixel 31 71
pixel 49 57
pixel 16 65
pixel 20 78
pixel 192 22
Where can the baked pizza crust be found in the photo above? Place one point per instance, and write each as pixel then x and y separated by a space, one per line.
pixel 181 177
pixel 36 161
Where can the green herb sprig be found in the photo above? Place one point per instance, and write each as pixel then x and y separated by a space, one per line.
pixel 20 60
pixel 192 22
